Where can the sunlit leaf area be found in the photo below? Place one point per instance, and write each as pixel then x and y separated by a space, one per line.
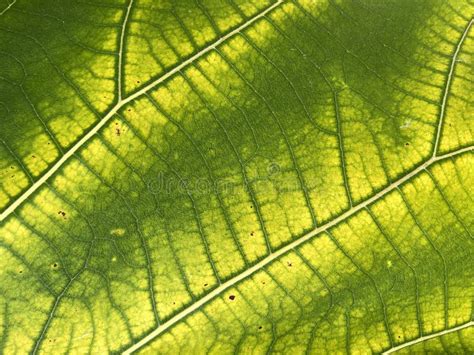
pixel 236 176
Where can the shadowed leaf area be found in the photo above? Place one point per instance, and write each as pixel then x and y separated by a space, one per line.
pixel 236 176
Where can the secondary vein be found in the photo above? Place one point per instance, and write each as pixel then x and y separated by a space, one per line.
pixel 448 86
pixel 123 102
pixel 428 337
pixel 276 254
pixel 120 68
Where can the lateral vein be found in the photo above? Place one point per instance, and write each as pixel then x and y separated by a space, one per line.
pixel 120 68
pixel 10 4
pixel 123 102
pixel 276 254
pixel 448 87
pixel 428 337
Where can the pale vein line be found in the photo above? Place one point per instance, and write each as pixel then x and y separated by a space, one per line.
pixel 50 316
pixel 120 54
pixel 231 282
pixel 8 7
pixel 448 86
pixel 427 337
pixel 123 102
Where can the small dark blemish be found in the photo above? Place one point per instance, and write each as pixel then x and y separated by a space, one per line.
pixel 289 264
pixel 12 167
pixel 407 144
pixel 260 327
pixel 55 265
pixel 117 131
pixel 205 285
pixel 232 297
pixel 21 271
pixel 138 81
pixel 252 234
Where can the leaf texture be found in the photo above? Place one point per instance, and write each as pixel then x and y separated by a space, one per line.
pixel 236 176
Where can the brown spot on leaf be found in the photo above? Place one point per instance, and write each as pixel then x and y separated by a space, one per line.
pixel 232 297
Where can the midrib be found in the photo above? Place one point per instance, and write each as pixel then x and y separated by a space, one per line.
pixel 276 254
pixel 122 102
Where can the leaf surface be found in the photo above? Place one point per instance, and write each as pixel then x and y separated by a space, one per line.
pixel 236 176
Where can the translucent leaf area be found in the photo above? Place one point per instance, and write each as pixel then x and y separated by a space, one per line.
pixel 236 176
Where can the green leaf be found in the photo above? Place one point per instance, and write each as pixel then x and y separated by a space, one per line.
pixel 238 176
